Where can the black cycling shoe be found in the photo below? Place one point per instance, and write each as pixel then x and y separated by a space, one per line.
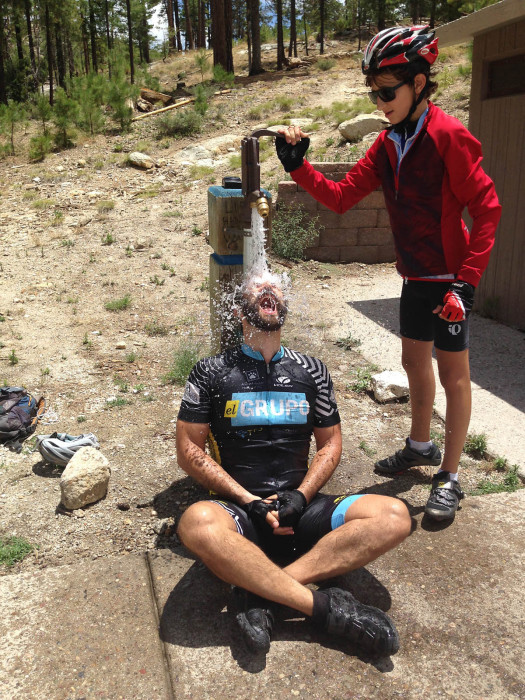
pixel 444 497
pixel 406 458
pixel 367 627
pixel 255 620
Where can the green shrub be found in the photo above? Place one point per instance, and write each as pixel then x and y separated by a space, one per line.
pixel 181 124
pixel 65 113
pixel 39 147
pixel 186 355
pixel 118 304
pixel 13 549
pixel 293 230
pixel 222 77
pixel 476 445
pixel 325 64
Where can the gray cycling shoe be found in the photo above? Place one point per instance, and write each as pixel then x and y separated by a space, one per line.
pixel 444 497
pixel 255 620
pixel 408 457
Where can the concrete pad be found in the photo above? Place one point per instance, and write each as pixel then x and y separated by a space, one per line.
pixel 86 631
pixel 455 594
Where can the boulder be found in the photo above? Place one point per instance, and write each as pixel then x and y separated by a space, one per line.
pixel 358 127
pixel 85 478
pixel 141 160
pixel 389 385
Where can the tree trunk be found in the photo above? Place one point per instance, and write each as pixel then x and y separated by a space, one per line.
pixel 49 48
pixel 305 31
pixel 109 40
pixel 292 47
pixel 145 36
pixel 254 31
pixel 432 20
pixel 280 42
pixel 70 56
pixel 321 30
pixel 93 35
pixel 61 63
pixel 3 86
pixel 221 37
pixel 249 35
pixel 172 47
pixel 18 38
pixel 177 24
pixel 130 43
pixel 201 34
pixel 381 15
pixel 27 8
pixel 85 44
pixel 189 31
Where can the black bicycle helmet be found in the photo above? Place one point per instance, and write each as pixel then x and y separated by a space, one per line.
pixel 398 46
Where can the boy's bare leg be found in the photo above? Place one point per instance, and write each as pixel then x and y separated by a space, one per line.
pixel 454 374
pixel 417 363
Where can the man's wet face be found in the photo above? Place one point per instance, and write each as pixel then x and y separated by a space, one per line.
pixel 264 306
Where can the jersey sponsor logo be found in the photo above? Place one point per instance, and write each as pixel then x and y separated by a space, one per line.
pixel 231 408
pixel 191 393
pixel 268 408
pixel 454 329
pixel 283 380
pixel 252 375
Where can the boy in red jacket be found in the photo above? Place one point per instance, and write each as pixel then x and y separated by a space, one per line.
pixel 429 166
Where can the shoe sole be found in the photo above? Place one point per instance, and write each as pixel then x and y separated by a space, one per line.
pixel 439 515
pixel 427 463
pixel 257 641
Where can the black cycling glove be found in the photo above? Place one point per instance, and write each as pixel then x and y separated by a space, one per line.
pixel 292 505
pixel 458 301
pixel 291 156
pixel 258 510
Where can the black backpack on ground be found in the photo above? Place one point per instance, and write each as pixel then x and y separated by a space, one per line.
pixel 19 416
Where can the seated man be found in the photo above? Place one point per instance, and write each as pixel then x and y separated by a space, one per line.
pixel 260 403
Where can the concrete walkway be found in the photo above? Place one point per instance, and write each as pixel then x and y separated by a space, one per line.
pixel 156 626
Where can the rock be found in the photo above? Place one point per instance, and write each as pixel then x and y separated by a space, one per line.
pixel 389 385
pixel 358 127
pixel 121 345
pixel 123 506
pixel 152 96
pixel 85 478
pixel 81 163
pixel 141 160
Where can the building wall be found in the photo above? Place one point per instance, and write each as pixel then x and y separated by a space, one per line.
pixel 499 124
pixel 361 234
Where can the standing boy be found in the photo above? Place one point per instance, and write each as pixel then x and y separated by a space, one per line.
pixel 429 166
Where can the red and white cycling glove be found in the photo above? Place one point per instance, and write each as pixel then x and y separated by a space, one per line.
pixel 458 301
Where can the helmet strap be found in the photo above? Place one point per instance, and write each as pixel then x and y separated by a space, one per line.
pixel 402 125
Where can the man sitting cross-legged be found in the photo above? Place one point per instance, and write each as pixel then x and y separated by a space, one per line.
pixel 259 404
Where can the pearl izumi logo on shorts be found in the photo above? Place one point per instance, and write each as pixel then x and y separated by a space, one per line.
pixel 267 408
pixel 454 329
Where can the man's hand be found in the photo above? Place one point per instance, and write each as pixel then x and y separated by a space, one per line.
pixel 291 153
pixel 260 512
pixel 457 302
pixel 292 505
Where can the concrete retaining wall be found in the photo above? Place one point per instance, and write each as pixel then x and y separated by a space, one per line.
pixel 361 234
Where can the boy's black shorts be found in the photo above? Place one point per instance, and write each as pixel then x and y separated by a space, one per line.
pixel 315 522
pixel 417 321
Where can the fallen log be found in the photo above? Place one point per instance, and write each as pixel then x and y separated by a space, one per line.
pixel 154 96
pixel 164 109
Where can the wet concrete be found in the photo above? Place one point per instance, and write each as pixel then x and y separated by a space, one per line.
pixel 158 625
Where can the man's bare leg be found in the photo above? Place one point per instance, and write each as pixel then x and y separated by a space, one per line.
pixel 210 532
pixel 373 525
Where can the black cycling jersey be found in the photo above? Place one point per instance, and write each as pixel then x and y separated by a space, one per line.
pixel 261 416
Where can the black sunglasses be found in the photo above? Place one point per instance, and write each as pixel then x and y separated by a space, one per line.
pixel 385 94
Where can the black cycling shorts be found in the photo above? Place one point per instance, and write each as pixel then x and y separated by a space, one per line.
pixel 416 320
pixel 323 514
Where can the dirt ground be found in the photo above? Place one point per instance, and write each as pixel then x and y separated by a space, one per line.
pixel 64 255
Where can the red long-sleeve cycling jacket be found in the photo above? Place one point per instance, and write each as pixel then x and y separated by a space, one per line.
pixel 425 195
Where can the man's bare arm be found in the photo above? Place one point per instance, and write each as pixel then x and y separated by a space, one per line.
pixel 329 447
pixel 191 457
